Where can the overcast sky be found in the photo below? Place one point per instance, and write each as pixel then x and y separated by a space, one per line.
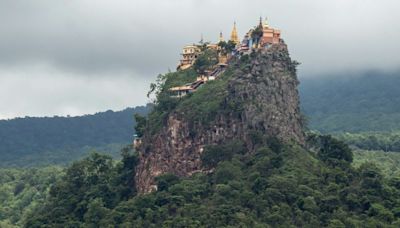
pixel 60 57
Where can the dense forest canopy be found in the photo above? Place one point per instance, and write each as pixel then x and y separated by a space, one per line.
pixel 22 191
pixel 387 162
pixel 281 185
pixel 383 141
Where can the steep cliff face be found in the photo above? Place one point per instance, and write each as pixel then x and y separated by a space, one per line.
pixel 260 95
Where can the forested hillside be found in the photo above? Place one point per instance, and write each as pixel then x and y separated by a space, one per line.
pixel 387 162
pixel 35 141
pixel 375 141
pixel 279 186
pixel 22 191
pixel 353 102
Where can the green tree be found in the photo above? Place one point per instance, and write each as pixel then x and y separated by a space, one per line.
pixel 205 61
pixel 213 154
pixel 334 151
pixel 95 213
pixel 140 124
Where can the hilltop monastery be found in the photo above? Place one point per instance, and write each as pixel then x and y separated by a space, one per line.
pixel 261 36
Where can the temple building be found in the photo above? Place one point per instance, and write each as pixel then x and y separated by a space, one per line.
pixel 189 55
pixel 262 36
pixel 191 52
pixel 269 35
pixel 181 91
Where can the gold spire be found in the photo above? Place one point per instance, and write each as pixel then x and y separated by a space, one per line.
pixel 234 35
pixel 221 37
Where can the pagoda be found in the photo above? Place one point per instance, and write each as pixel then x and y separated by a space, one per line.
pixel 234 35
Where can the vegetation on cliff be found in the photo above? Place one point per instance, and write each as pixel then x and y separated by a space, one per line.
pixel 205 101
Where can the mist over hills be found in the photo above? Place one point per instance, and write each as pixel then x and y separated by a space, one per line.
pixel 352 103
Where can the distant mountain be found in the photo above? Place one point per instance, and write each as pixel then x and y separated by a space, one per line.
pixel 35 141
pixel 352 103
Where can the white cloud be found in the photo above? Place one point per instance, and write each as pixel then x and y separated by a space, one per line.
pixel 42 90
pixel 92 48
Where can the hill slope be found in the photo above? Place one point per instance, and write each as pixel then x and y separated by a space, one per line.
pixel 352 103
pixel 53 140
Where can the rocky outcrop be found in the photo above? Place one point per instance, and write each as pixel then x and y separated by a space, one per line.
pixel 263 86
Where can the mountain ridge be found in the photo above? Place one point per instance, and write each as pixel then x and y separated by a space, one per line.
pixel 39 140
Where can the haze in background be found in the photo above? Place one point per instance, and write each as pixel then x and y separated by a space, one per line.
pixel 82 56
